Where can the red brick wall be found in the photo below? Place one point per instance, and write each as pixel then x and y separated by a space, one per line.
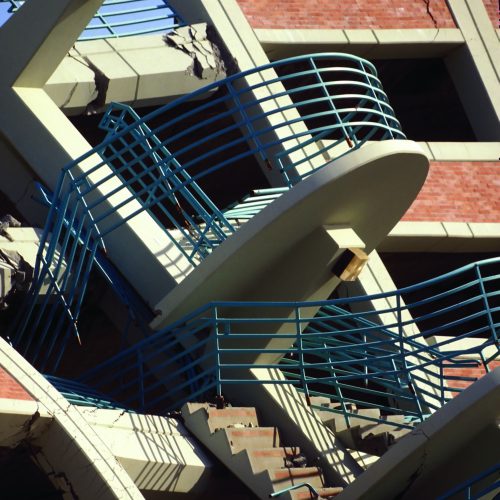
pixel 459 192
pixel 10 389
pixel 342 14
pixel 468 372
pixel 492 9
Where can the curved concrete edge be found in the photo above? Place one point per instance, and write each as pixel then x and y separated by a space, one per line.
pixel 69 445
pixel 344 193
pixel 455 443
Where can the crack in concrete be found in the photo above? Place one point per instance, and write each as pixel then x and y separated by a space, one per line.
pixel 101 86
pixel 60 480
pixel 101 82
pixel 419 470
pixel 204 49
pixel 27 426
pixel 429 13
pixel 70 95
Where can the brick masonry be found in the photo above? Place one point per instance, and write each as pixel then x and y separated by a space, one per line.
pixel 459 192
pixel 492 9
pixel 339 14
pixel 10 388
pixel 468 372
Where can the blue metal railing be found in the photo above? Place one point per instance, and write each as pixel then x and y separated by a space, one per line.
pixel 172 162
pixel 347 356
pixel 480 486
pixel 119 18
pixel 82 395
pixel 312 490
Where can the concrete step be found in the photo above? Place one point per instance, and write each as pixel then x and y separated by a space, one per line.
pixel 254 454
pixel 271 458
pixel 373 429
pixel 337 422
pixel 252 438
pixel 282 478
pixel 374 438
pixel 231 416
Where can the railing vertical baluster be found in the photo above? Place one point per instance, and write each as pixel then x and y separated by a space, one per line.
pixel 253 135
pixel 349 134
pixel 441 380
pixel 141 380
pixel 375 96
pixel 299 342
pixel 411 386
pixel 215 327
pixel 338 390
pixel 486 303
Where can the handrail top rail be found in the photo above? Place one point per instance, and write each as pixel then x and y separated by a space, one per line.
pixel 216 84
pixel 215 305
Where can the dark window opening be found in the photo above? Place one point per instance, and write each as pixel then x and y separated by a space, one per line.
pixel 424 99
pixel 464 311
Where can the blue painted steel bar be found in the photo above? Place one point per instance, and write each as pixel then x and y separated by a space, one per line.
pixel 82 395
pixel 465 490
pixel 338 354
pixel 170 162
pixel 119 18
pixel 311 489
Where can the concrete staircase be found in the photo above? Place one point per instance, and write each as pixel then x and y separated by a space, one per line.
pixel 254 454
pixel 362 435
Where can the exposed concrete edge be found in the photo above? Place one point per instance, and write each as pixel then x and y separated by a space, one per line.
pixel 373 42
pixel 450 151
pixel 353 36
pixel 408 236
pixel 17 421
pixel 462 151
pixel 431 443
pixel 140 70
pixel 101 476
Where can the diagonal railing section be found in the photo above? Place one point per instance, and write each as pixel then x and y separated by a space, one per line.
pixel 176 163
pixel 348 357
pixel 119 18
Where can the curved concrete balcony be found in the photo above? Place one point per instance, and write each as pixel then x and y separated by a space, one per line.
pixel 159 194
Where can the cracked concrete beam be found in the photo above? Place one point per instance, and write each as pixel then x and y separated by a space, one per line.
pixel 205 54
pixel 142 70
pixel 21 420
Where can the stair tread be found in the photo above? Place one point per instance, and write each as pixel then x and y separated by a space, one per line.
pixel 252 438
pixel 280 451
pixel 272 458
pixel 231 416
pixel 252 431
pixel 295 472
pixel 323 493
pixel 231 410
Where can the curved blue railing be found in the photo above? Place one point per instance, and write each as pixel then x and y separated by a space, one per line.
pixel 119 18
pixel 347 356
pixel 291 116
